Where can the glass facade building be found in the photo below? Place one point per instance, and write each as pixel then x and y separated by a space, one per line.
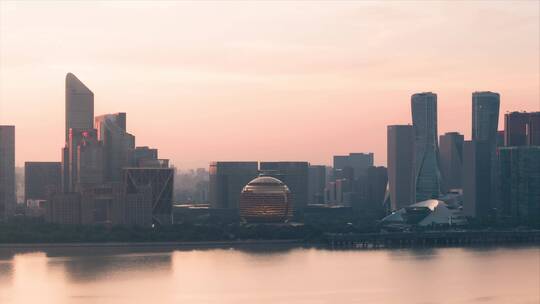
pixel 424 117
pixel 520 183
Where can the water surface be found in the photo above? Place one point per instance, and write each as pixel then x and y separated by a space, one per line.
pixel 263 275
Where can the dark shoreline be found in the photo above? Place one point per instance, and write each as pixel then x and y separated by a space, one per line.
pixel 204 244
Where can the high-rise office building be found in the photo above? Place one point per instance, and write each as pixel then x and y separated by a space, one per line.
pixel 485 116
pixel 515 129
pixel 522 129
pixel 71 161
pixel 358 162
pixel 79 105
pixel 141 155
pixel 500 138
pixel 451 160
pixel 401 168
pixel 520 183
pixel 477 191
pixel 316 184
pixel 64 208
pixel 375 186
pixel 340 161
pixel 138 206
pixel 84 159
pixel 41 179
pixel 533 136
pixel 485 122
pixel 424 117
pixel 8 199
pixel 79 117
pixel 227 179
pixel 295 176
pixel 161 181
pixel 89 160
pixel 117 144
pixel 101 204
pixel 66 169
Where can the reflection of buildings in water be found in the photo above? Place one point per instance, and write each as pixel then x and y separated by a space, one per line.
pixel 414 253
pixel 6 271
pixel 92 264
pixel 28 270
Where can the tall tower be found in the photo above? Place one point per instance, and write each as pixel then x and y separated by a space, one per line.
pixel 117 144
pixel 477 187
pixel 522 129
pixel 7 171
pixel 79 117
pixel 485 117
pixel 424 117
pixel 79 105
pixel 485 122
pixel 401 169
pixel 451 160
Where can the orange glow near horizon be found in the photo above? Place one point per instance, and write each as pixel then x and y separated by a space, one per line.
pixel 262 80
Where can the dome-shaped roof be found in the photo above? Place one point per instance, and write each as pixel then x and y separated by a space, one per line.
pixel 266 184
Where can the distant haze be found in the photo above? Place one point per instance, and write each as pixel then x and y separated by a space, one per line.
pixel 262 80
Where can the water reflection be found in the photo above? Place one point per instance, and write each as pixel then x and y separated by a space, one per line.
pixel 418 254
pixel 269 275
pixel 97 267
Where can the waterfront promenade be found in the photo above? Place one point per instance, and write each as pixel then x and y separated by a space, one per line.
pixel 431 238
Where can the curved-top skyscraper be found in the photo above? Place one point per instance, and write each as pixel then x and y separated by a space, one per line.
pixel 79 105
pixel 424 117
pixel 485 124
pixel 485 117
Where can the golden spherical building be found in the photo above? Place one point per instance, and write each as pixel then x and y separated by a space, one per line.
pixel 265 199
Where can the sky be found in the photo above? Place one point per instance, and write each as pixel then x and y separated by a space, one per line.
pixel 275 80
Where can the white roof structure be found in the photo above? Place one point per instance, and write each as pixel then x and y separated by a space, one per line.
pixel 438 212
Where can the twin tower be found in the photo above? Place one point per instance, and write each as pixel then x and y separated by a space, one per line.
pixel 414 170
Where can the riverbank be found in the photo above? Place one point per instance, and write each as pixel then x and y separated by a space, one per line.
pixel 204 244
pixel 463 238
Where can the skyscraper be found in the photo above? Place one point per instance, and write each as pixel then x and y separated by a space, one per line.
pixel 485 117
pixel 79 105
pixel 485 122
pixel 89 160
pixel 451 160
pixel 359 162
pixel 521 129
pixel 424 117
pixel 117 144
pixel 79 117
pixel 143 154
pixel 227 179
pixel 373 193
pixel 161 182
pixel 515 129
pixel 316 184
pixel 84 158
pixel 477 191
pixel 7 172
pixel 41 179
pixel 533 136
pixel 520 183
pixel 295 176
pixel 401 168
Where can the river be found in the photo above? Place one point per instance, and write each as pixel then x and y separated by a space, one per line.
pixel 278 274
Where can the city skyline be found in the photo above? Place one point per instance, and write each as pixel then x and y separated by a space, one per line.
pixel 260 82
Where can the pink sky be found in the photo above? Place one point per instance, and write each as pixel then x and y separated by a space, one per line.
pixel 262 81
